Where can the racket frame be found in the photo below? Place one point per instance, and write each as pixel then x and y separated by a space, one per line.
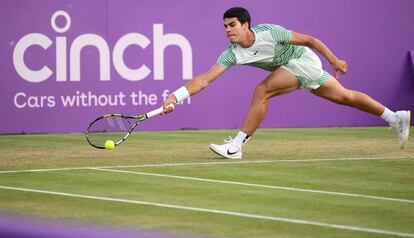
pixel 139 119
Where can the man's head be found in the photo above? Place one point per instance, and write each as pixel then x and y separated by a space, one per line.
pixel 240 13
pixel 237 23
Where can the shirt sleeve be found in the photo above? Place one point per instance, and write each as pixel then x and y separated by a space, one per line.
pixel 227 59
pixel 280 35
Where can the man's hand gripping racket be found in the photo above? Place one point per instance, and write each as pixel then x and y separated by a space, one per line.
pixel 117 127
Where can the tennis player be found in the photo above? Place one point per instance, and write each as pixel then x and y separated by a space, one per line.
pixel 292 64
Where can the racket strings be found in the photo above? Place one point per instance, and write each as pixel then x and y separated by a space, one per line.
pixel 113 128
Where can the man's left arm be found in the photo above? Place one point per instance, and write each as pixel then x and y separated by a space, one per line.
pixel 320 47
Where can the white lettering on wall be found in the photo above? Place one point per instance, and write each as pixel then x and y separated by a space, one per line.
pixel 21 100
pixel 75 53
pixel 160 42
pixel 33 76
pixel 118 54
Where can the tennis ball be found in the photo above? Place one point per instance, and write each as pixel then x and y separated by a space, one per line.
pixel 109 144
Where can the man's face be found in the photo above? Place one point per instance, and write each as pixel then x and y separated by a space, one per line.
pixel 235 31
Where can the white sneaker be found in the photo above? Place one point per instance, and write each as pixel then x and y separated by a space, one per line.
pixel 229 150
pixel 402 126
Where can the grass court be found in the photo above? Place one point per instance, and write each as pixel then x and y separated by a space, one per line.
pixel 319 182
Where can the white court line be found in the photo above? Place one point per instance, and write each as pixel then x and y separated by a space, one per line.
pixel 203 163
pixel 260 185
pixel 214 211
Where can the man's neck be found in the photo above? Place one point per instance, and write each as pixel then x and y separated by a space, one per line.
pixel 249 40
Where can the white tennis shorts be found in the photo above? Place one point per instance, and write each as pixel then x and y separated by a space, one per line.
pixel 308 69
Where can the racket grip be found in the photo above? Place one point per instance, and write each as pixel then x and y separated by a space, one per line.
pixel 157 111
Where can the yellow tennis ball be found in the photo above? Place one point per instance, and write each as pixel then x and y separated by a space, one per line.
pixel 109 144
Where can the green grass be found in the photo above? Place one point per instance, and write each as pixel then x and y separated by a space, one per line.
pixel 392 178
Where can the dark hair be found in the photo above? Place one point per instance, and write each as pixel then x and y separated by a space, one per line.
pixel 240 13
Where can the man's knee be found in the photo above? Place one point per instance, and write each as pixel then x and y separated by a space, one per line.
pixel 346 98
pixel 260 93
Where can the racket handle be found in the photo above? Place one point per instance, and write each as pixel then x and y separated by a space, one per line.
pixel 157 111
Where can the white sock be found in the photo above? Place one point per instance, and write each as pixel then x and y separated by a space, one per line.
pixel 389 116
pixel 241 138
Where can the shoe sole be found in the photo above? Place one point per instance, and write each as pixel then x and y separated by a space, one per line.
pixel 409 125
pixel 221 154
pixel 408 130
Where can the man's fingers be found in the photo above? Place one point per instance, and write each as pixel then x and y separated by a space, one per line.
pixel 336 74
pixel 169 108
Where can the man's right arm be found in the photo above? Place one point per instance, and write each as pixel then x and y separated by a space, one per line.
pixel 193 86
pixel 338 65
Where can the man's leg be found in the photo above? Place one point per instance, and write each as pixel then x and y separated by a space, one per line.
pixel 335 92
pixel 278 82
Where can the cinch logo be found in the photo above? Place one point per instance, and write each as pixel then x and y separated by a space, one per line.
pixel 160 42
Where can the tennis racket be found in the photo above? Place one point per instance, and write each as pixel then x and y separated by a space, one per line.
pixel 115 127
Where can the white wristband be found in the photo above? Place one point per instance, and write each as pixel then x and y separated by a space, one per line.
pixel 181 94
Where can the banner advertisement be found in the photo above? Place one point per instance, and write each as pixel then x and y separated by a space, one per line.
pixel 64 63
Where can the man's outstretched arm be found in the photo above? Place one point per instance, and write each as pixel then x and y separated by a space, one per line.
pixel 338 65
pixel 193 87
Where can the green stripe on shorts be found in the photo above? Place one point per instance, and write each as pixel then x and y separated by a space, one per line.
pixel 323 78
pixel 301 81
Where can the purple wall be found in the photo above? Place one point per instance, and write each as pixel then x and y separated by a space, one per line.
pixel 374 37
